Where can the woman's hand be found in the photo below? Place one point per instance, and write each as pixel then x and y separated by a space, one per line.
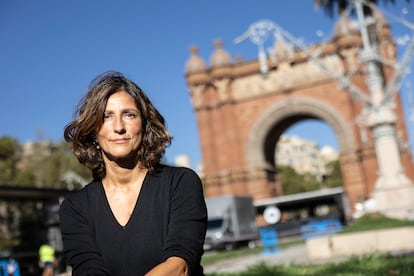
pixel 173 266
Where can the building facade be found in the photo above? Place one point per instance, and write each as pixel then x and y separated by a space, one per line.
pixel 304 156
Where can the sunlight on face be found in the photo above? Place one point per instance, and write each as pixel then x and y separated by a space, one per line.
pixel 121 132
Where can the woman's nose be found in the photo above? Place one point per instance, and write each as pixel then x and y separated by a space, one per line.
pixel 119 125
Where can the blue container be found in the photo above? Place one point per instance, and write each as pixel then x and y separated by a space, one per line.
pixel 269 239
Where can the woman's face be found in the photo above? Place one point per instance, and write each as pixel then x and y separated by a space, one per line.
pixel 121 132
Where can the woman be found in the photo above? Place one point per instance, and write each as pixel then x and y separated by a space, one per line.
pixel 137 216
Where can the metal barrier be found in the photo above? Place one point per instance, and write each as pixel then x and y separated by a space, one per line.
pixel 320 228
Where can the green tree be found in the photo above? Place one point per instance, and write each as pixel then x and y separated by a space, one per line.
pixel 8 147
pixel 293 183
pixel 9 155
pixel 43 164
pixel 46 165
pixel 72 164
pixel 25 177
pixel 33 160
pixel 334 177
pixel 56 163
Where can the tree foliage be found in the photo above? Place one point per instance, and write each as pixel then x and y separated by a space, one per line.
pixel 9 148
pixel 9 154
pixel 334 177
pixel 293 183
pixel 43 164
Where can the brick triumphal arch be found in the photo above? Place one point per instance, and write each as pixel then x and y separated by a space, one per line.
pixel 241 114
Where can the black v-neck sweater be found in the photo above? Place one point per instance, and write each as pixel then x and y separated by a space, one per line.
pixel 169 219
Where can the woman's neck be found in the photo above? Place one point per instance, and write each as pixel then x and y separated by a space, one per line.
pixel 122 177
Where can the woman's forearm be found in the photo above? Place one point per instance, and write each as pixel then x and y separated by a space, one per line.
pixel 173 266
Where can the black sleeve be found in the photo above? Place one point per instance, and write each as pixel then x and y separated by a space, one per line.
pixel 79 246
pixel 188 219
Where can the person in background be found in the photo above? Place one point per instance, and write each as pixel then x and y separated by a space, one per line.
pixel 47 259
pixel 137 216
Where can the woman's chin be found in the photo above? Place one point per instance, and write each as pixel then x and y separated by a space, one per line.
pixel 122 157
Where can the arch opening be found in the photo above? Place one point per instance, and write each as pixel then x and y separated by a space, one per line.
pixel 278 118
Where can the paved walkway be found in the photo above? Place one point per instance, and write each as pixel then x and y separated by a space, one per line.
pixel 292 255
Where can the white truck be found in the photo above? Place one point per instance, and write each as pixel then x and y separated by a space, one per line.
pixel 231 222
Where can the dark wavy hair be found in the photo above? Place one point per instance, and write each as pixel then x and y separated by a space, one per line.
pixel 88 118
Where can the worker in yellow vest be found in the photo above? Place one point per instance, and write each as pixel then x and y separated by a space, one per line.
pixel 47 259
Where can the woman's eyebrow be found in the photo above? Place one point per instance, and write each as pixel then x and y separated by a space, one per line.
pixel 133 110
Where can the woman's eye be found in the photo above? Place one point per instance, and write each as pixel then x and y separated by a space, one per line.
pixel 130 115
pixel 107 116
pixel 126 116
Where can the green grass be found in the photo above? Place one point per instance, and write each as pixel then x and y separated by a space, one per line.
pixel 365 266
pixel 214 257
pixel 375 221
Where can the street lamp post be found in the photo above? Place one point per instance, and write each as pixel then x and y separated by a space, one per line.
pixel 393 192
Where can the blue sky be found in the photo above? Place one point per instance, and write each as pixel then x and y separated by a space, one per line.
pixel 51 49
